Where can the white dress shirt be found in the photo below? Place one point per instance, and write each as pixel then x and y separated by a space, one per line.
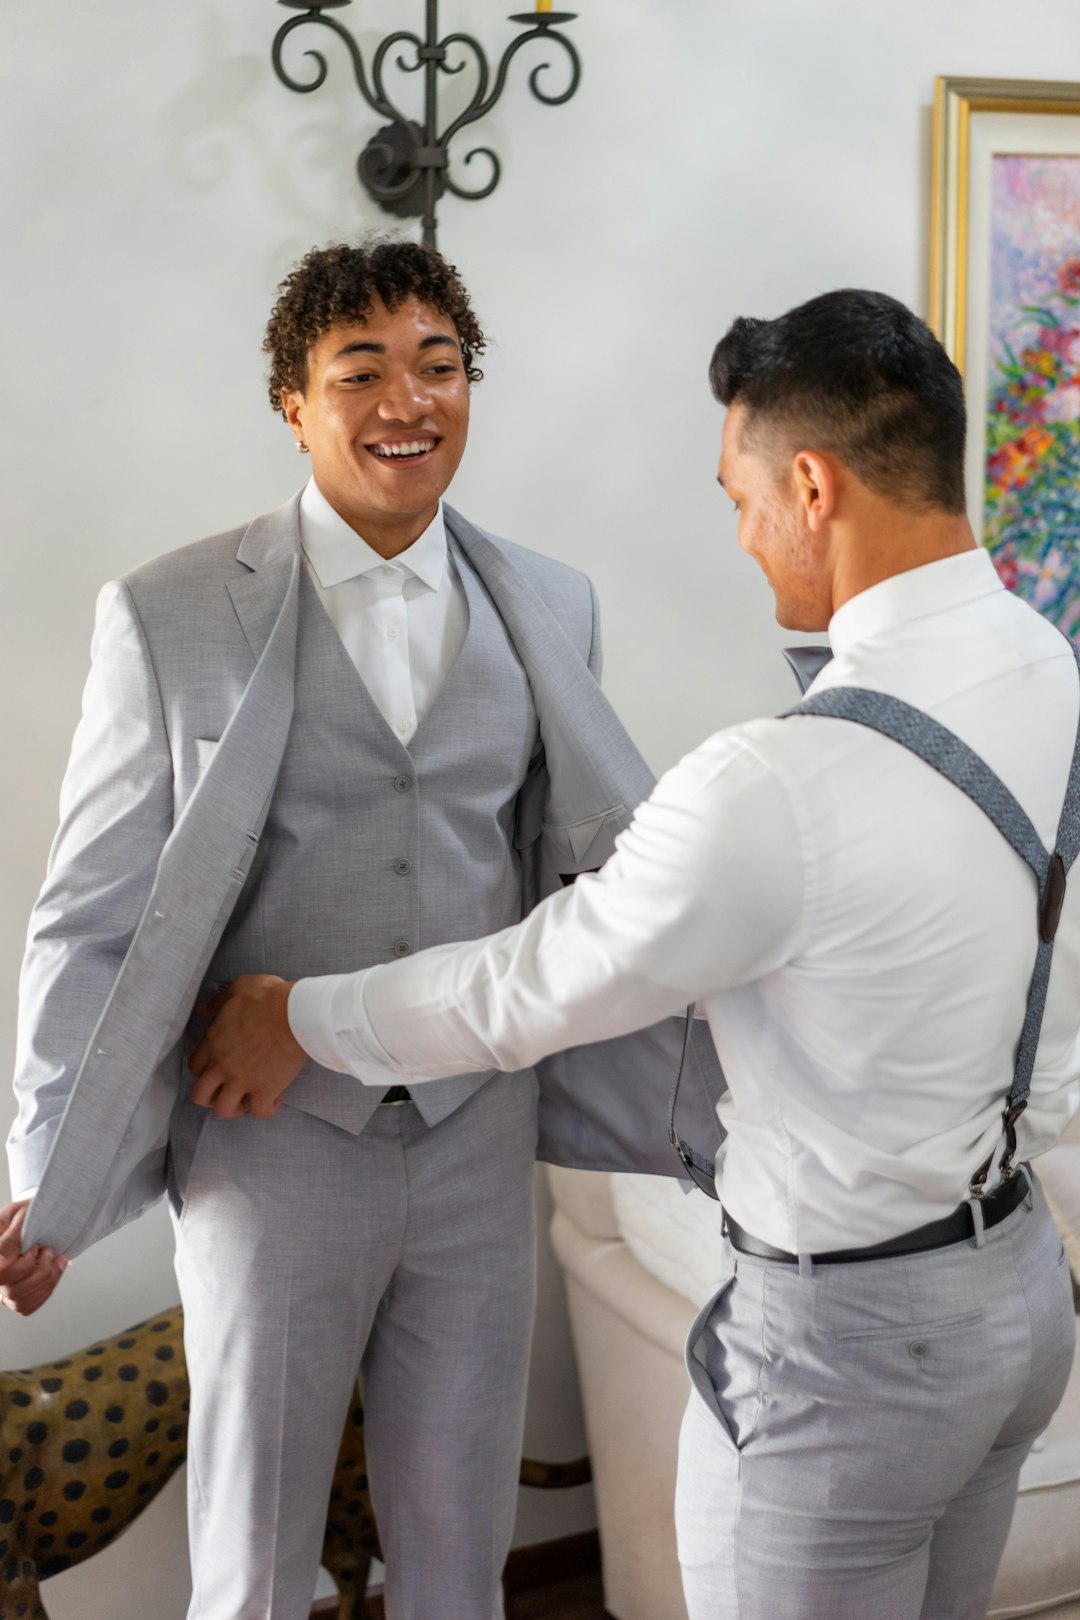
pixel 860 935
pixel 402 622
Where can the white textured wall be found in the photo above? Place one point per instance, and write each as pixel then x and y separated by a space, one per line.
pixel 719 159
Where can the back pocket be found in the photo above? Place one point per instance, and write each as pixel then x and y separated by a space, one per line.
pixel 904 1330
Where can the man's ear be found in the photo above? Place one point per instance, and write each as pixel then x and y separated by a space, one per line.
pixel 815 487
pixel 292 403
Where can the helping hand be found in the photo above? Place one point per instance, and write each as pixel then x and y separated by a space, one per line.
pixel 26 1280
pixel 249 1054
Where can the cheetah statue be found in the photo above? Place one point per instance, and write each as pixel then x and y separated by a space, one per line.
pixel 87 1441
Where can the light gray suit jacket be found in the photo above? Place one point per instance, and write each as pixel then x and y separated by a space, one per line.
pixel 155 843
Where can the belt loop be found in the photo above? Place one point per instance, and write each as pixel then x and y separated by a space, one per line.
pixel 977 1222
pixel 806 1265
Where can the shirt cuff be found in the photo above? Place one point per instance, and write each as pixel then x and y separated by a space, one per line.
pixel 321 1011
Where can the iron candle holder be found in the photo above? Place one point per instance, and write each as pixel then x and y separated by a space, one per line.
pixel 405 166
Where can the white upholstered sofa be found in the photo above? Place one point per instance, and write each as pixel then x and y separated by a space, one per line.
pixel 616 1237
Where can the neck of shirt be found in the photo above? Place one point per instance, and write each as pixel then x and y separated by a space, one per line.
pixel 336 552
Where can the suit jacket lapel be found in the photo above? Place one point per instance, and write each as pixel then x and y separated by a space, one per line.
pixel 269 547
pixel 597 775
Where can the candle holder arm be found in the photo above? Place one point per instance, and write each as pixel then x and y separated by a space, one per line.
pixel 374 96
pixel 482 104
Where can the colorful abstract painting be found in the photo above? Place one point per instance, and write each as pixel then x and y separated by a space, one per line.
pixel 1032 498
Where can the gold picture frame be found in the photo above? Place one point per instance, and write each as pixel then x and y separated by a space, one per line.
pixel 955 103
pixel 1005 302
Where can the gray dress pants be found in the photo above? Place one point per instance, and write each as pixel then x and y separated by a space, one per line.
pixel 853 1439
pixel 303 1252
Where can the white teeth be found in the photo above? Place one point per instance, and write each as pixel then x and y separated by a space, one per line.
pixel 416 448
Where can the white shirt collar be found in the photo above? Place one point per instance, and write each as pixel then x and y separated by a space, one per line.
pixel 337 552
pixel 936 587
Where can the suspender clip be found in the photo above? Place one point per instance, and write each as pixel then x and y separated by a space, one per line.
pixel 1012 1114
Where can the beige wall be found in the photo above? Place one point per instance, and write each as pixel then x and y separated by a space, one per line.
pixel 720 158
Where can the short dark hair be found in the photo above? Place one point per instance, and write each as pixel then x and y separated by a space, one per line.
pixel 857 374
pixel 334 285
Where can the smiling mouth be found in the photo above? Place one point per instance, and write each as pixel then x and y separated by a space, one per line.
pixel 405 451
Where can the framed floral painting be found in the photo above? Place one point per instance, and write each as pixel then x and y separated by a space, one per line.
pixel 1005 300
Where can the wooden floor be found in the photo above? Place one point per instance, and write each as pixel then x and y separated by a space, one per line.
pixel 556 1580
pixel 580 1597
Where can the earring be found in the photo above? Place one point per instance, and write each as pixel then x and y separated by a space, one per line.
pixel 302 447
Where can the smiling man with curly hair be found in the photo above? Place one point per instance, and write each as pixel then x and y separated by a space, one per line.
pixel 351 728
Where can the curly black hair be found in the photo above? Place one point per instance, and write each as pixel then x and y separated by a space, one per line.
pixel 338 284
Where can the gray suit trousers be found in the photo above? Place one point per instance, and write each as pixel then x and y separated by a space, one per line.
pixel 304 1252
pixel 854 1436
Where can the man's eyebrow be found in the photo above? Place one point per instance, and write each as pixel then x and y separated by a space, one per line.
pixel 360 348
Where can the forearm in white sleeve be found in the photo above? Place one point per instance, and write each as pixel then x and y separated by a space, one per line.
pixel 704 891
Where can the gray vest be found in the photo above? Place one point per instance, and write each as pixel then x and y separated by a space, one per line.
pixel 373 849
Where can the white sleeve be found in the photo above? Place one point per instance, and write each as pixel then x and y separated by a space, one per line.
pixel 703 892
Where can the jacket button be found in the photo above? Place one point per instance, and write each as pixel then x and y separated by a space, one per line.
pixel 402 784
pixel 403 866
pixel 402 947
pixel 919 1348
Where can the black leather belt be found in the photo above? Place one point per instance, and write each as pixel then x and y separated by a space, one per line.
pixel 954 1228
pixel 396 1094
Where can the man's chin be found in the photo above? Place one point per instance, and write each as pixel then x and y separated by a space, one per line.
pixel 792 618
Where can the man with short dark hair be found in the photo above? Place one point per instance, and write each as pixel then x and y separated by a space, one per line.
pixel 849 893
pixel 351 728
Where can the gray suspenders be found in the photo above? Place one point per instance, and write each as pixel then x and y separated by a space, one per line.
pixel 959 764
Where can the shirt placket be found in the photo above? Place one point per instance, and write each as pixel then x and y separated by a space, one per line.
pixel 398 701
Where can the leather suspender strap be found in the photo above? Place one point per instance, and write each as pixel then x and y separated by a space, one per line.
pixel 944 751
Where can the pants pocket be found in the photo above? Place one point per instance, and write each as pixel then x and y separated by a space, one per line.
pixel 186 1140
pixel 726 1358
pixel 905 1330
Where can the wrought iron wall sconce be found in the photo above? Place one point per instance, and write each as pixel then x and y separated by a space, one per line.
pixel 405 165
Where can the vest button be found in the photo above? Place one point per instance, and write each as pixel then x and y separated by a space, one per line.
pixel 402 784
pixel 403 866
pixel 402 947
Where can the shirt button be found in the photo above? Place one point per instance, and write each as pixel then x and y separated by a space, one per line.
pixel 404 726
pixel 403 784
pixel 403 866
pixel 402 947
pixel 391 634
pixel 386 569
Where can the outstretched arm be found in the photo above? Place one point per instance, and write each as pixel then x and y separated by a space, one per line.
pixel 704 891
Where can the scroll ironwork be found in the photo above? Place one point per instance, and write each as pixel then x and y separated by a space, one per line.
pixel 405 166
